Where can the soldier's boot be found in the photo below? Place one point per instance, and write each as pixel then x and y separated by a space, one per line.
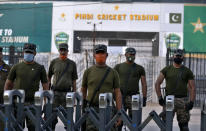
pixel 31 128
pixel 183 126
pixel 54 122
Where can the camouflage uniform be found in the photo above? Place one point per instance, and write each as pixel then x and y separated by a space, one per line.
pixel 181 92
pixel 4 71
pixel 65 83
pixel 183 116
pixel 27 77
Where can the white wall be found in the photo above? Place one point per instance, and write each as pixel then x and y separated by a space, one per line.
pixel 167 28
pixel 73 20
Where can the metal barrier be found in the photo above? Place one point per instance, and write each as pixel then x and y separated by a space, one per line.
pixel 66 115
pixel 169 112
pixel 203 115
pixel 164 126
pixel 103 118
pixel 39 98
pixel 14 116
pixel 71 99
pixel 132 124
pixel 34 112
pixel 10 121
pixel 100 119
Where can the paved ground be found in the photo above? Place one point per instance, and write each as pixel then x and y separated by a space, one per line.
pixel 194 124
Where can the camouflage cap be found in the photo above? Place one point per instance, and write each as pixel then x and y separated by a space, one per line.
pixel 1 49
pixel 130 50
pixel 29 47
pixel 100 47
pixel 63 46
pixel 179 52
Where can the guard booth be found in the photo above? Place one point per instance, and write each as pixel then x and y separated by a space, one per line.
pixel 12 54
pixel 196 61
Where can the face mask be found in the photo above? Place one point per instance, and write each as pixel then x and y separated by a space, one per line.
pixel 178 60
pixel 63 57
pixel 101 58
pixel 28 57
pixel 130 58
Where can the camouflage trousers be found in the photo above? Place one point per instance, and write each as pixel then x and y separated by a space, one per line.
pixel 127 104
pixel 183 116
pixel 89 124
pixel 59 99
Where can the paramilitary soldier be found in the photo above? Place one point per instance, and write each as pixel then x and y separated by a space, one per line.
pixel 178 79
pixel 65 74
pixel 130 73
pixel 4 71
pixel 27 76
pixel 91 79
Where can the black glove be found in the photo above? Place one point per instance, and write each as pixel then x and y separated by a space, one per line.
pixel 161 101
pixel 189 106
pixel 50 86
pixel 144 101
pixel 84 103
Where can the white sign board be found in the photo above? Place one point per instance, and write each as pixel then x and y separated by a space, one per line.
pixel 125 17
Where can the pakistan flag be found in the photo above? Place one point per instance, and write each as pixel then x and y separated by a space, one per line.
pixel 195 28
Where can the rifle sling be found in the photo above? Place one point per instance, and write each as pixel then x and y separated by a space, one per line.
pixel 99 86
pixel 65 69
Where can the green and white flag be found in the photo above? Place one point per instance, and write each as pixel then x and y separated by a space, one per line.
pixel 195 28
pixel 26 23
pixel 175 18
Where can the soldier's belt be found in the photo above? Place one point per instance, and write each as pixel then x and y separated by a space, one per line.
pixel 94 104
pixel 180 96
pixel 177 96
pixel 62 90
pixel 131 94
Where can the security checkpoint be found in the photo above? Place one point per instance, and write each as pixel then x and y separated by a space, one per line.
pixel 103 118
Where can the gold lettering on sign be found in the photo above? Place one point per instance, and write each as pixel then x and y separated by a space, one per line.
pixel 117 17
pixel 124 16
pixel 150 18
pixel 83 16
pixel 156 17
pixel 144 17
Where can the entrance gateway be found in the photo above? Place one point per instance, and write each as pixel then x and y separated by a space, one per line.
pixel 145 43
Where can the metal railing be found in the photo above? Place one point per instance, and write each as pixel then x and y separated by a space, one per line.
pixel 102 119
